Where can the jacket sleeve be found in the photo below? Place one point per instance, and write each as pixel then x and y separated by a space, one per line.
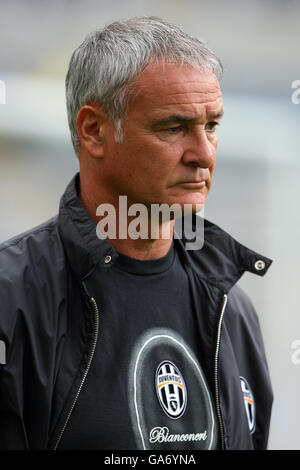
pixel 28 330
pixel 247 342
pixel 12 430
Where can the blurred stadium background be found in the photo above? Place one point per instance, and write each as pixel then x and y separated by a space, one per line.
pixel 256 189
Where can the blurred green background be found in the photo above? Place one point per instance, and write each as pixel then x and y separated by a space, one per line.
pixel 256 188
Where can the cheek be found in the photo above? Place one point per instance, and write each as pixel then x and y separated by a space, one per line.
pixel 145 159
pixel 156 160
pixel 211 172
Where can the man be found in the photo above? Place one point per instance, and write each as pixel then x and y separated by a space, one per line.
pixel 125 342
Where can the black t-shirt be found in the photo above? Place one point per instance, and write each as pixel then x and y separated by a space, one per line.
pixel 145 388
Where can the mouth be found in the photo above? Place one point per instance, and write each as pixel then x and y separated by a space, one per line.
pixel 192 184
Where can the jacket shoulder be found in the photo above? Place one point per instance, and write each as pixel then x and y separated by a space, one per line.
pixel 25 249
pixel 31 270
pixel 23 238
pixel 27 254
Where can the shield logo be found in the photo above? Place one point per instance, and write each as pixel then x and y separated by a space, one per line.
pixel 171 389
pixel 249 403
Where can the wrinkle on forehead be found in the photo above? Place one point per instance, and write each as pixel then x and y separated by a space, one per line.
pixel 201 98
pixel 179 87
pixel 191 96
pixel 200 83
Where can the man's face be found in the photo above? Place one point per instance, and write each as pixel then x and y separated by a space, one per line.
pixel 168 152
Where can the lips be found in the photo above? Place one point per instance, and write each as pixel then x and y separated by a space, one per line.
pixel 193 184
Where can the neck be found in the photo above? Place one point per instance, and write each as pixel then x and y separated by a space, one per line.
pixel 122 230
pixel 142 249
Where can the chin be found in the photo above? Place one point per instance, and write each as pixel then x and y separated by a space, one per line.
pixel 188 207
pixel 194 202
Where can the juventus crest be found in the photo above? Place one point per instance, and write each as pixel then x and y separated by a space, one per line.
pixel 171 389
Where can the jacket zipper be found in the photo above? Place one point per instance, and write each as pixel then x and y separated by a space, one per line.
pixel 218 406
pixel 91 355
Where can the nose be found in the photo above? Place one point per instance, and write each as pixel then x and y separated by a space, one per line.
pixel 200 150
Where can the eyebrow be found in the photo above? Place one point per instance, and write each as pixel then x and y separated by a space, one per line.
pixel 178 118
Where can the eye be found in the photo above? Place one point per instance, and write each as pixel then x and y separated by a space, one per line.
pixel 212 126
pixel 174 130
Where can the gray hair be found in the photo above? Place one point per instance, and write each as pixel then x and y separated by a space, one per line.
pixel 104 66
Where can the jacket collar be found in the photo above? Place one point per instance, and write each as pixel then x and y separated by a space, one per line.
pixel 221 261
pixel 78 230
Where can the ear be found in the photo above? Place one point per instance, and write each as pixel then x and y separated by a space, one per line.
pixel 90 121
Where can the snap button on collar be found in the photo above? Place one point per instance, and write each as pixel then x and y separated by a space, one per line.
pixel 260 265
pixel 107 259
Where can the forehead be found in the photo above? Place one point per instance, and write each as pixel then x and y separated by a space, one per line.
pixel 161 87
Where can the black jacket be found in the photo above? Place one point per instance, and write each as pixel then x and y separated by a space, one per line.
pixel 49 323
